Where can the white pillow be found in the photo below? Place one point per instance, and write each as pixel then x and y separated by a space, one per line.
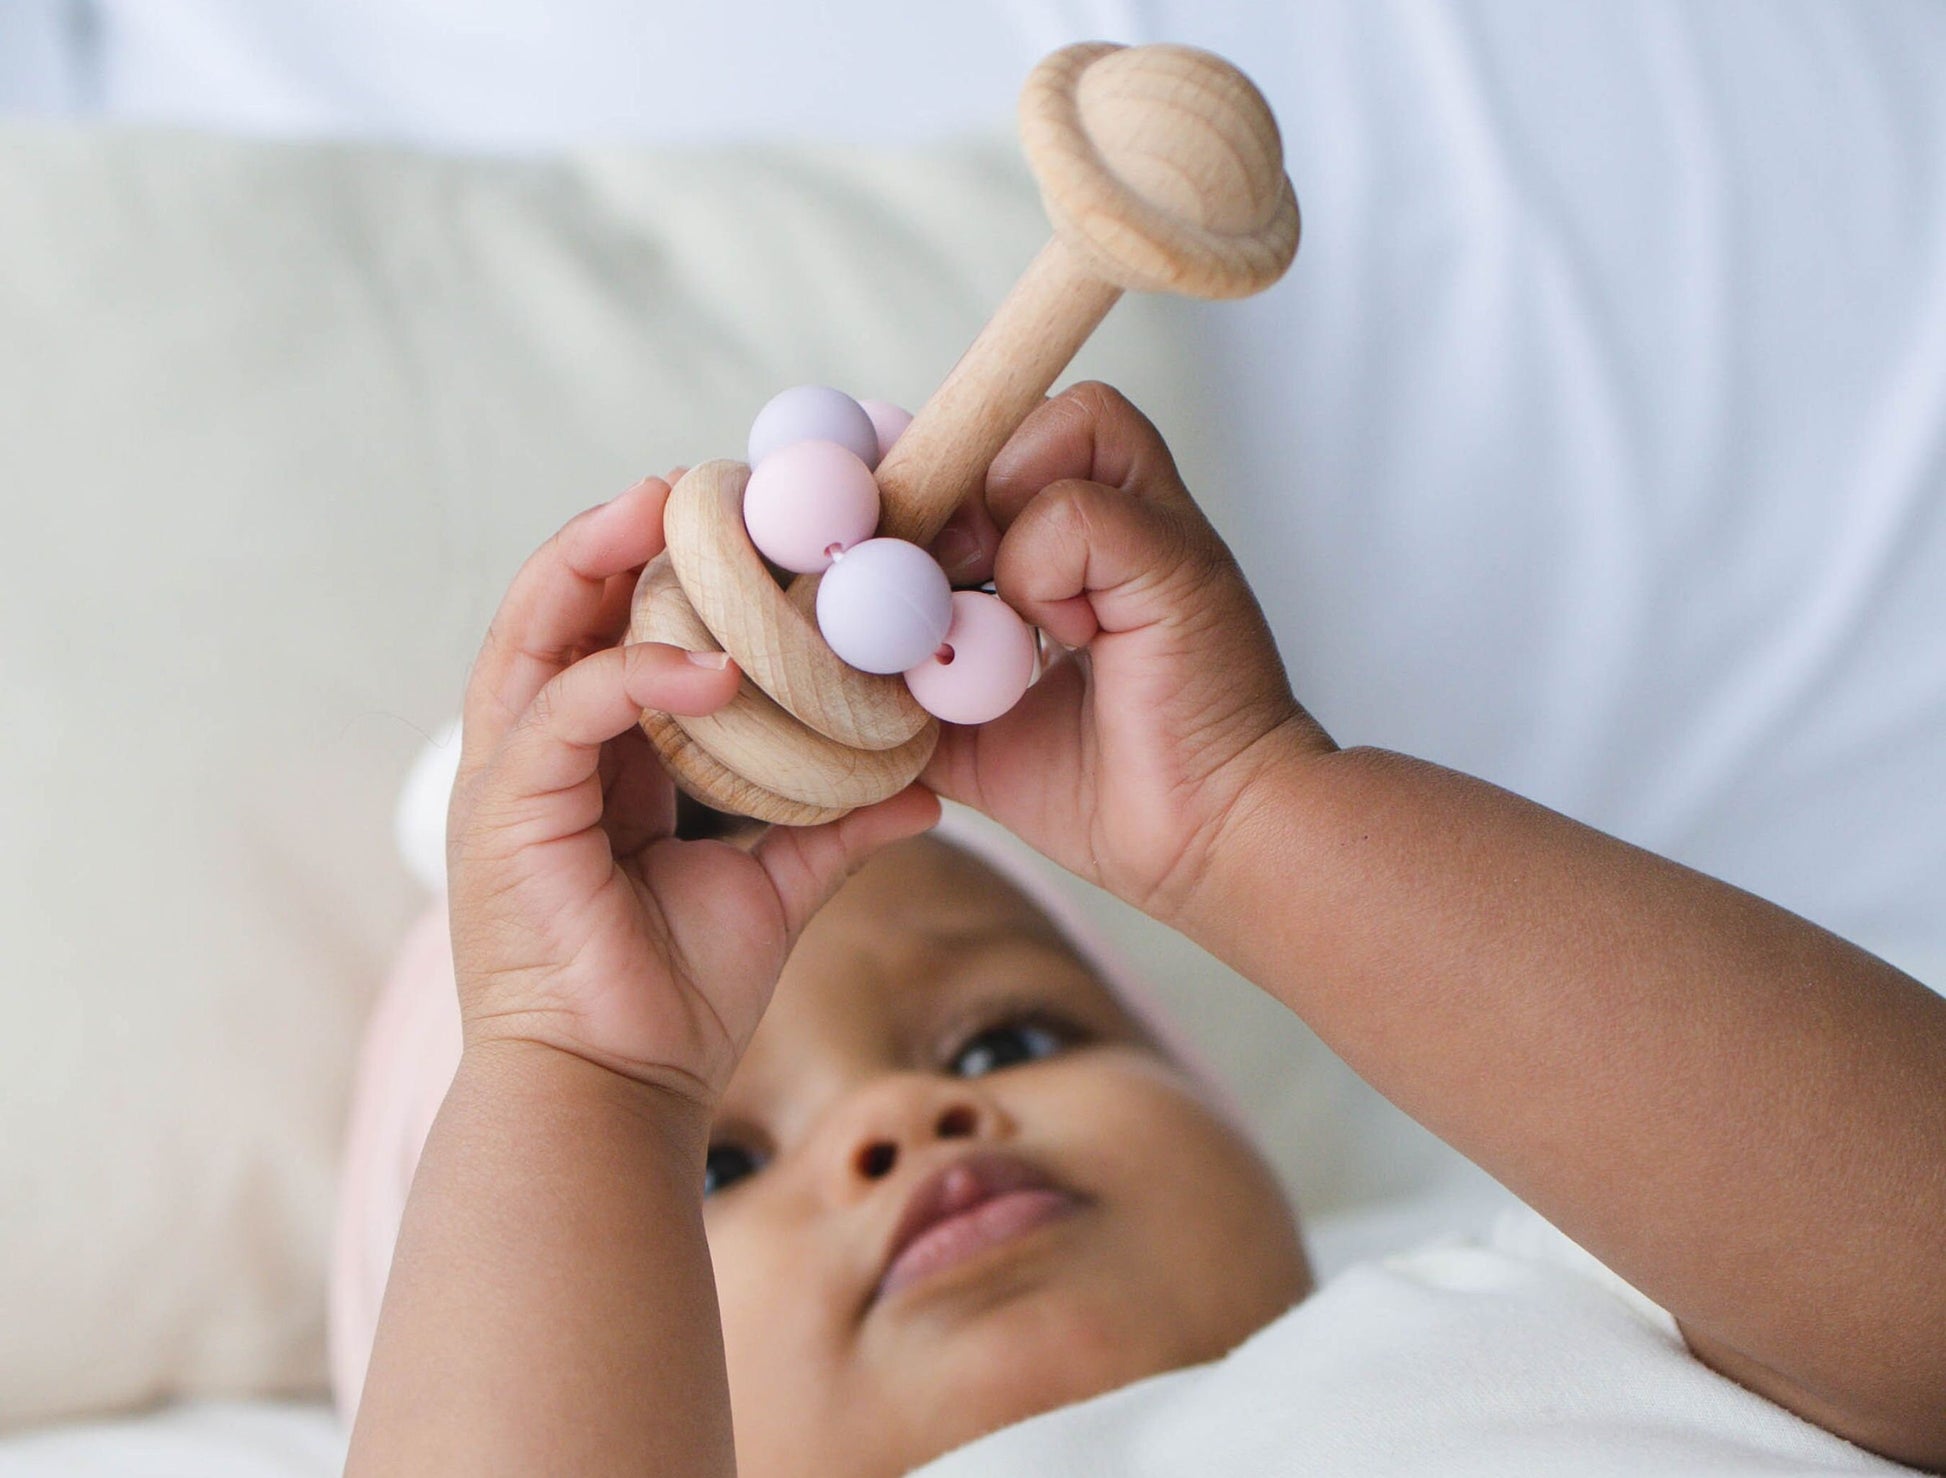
pixel 278 424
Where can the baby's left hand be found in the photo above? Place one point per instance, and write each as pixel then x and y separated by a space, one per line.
pixel 579 921
pixel 1127 759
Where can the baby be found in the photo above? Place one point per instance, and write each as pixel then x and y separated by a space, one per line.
pixel 678 1214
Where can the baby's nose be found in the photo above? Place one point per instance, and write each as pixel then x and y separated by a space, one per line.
pixel 877 1150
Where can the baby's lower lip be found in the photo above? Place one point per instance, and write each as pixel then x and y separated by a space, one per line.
pixel 973 1231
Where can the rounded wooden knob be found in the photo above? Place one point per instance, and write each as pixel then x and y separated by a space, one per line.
pixel 1162 166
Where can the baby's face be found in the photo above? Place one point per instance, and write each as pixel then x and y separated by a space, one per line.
pixel 935 1048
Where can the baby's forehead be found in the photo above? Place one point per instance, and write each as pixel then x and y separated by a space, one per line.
pixel 926 885
pixel 917 919
pixel 920 933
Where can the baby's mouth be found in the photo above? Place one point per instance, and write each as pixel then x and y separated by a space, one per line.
pixel 965 1208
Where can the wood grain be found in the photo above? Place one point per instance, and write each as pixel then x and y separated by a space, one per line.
pixel 752 757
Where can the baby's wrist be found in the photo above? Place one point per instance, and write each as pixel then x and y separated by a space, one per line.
pixel 1255 827
pixel 507 1064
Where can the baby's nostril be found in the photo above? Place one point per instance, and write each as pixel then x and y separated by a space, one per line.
pixel 956 1123
pixel 875 1160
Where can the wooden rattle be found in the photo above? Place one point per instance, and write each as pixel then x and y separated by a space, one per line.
pixel 1162 170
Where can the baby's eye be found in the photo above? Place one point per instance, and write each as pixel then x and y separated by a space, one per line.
pixel 1006 1044
pixel 725 1165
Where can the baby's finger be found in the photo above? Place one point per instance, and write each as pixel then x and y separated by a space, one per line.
pixel 535 787
pixel 559 603
pixel 1090 431
pixel 639 803
pixel 806 864
pixel 966 546
pixel 1081 558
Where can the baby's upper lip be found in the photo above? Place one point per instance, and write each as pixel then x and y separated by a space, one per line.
pixel 955 1187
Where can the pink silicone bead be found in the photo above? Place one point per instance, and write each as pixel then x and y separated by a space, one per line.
pixel 807 498
pixel 813 413
pixel 884 606
pixel 888 420
pixel 983 666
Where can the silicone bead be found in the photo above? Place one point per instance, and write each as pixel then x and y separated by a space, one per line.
pixel 807 499
pixel 813 413
pixel 982 667
pixel 885 605
pixel 888 420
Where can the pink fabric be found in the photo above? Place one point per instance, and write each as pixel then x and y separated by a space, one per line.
pixel 412 1046
pixel 405 1064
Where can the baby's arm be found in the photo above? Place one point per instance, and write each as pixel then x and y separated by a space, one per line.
pixel 551 1307
pixel 1739 1112
pixel 1742 1114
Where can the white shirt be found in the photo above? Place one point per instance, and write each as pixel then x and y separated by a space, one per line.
pixel 1520 1355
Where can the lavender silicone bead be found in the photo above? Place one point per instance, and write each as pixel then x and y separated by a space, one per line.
pixel 813 413
pixel 885 605
pixel 991 662
pixel 806 497
pixel 888 420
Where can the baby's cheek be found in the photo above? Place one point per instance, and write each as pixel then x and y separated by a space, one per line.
pixel 1195 1194
pixel 780 1380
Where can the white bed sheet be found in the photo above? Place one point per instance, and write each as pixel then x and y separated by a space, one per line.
pixel 300 1439
pixel 204 1439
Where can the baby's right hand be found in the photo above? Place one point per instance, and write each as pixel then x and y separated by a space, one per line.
pixel 1129 758
pixel 579 922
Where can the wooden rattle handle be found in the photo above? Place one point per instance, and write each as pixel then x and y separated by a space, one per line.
pixel 1161 169
pixel 941 459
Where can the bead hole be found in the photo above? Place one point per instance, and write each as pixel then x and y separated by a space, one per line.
pixel 944 656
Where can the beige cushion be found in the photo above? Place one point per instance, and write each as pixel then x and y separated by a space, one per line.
pixel 276 425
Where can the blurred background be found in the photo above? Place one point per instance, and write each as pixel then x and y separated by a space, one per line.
pixel 1595 444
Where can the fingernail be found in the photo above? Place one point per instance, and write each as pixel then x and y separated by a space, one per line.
pixel 715 661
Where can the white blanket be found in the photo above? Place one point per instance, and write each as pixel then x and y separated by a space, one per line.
pixel 1522 1355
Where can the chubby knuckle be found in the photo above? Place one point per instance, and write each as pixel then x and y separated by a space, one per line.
pixel 639 659
pixel 1109 516
pixel 544 709
pixel 1197 545
pixel 1102 400
pixel 493 642
pixel 1109 407
pixel 1048 516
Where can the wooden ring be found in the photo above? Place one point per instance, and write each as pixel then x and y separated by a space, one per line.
pixel 774 636
pixel 753 757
